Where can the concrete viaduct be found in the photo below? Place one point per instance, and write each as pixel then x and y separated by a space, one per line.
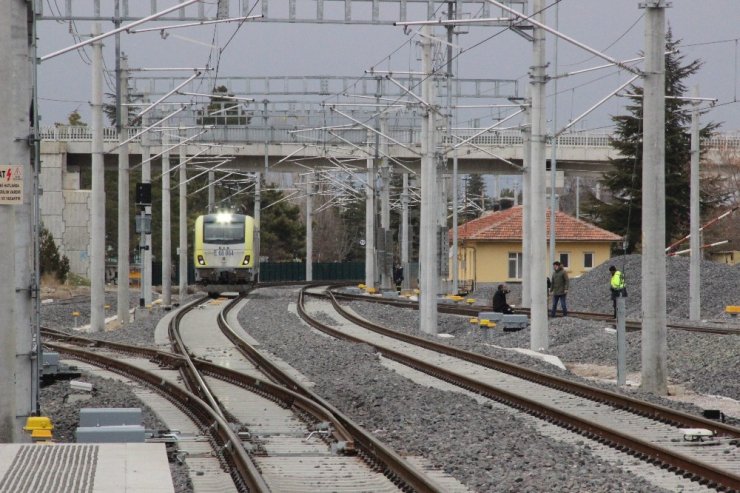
pixel 65 207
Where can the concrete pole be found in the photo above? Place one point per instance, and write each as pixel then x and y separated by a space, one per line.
pixel 123 201
pixel 455 201
pixel 621 341
pixel 146 254
pixel 695 242
pixel 386 277
pixel 97 221
pixel 554 147
pixel 15 337
pixel 654 344
pixel 578 197
pixel 428 248
pixel 211 192
pixel 406 283
pixel 527 205
pixel 166 226
pixel 183 249
pixel 539 336
pixel 370 224
pixel 309 227
pixel 257 219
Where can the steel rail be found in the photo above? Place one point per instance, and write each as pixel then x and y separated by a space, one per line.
pixel 472 311
pixel 643 449
pixel 393 465
pixel 225 442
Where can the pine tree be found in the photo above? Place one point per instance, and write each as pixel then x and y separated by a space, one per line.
pixel 623 214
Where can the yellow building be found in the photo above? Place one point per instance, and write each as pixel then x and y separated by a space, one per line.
pixel 490 247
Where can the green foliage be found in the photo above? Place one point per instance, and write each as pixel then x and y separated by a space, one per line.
pixel 282 233
pixel 51 261
pixel 75 119
pixel 623 214
pixel 475 199
pixel 222 110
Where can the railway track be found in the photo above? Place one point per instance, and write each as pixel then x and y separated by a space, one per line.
pixel 650 432
pixel 472 311
pixel 274 419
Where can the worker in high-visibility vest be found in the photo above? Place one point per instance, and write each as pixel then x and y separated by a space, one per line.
pixel 617 287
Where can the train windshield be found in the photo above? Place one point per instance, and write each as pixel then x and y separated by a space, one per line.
pixel 224 232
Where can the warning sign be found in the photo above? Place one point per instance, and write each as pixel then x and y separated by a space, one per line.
pixel 11 184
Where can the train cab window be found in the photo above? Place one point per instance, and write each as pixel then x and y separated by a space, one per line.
pixel 224 232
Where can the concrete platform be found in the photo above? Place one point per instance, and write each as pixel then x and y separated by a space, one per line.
pixel 89 468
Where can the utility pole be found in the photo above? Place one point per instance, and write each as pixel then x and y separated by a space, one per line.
pixel 654 343
pixel 146 253
pixel 695 214
pixel 97 221
pixel 257 218
pixel 428 247
pixel 183 203
pixel 309 227
pixel 370 223
pixel 123 190
pixel 386 278
pixel 554 146
pixel 539 336
pixel 166 225
pixel 406 283
pixel 16 338
pixel 527 204
pixel 211 192
pixel 578 197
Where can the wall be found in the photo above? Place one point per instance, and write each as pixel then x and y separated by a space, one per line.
pixel 65 209
pixel 489 261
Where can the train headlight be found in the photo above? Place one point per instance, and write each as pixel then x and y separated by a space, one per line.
pixel 201 260
pixel 246 260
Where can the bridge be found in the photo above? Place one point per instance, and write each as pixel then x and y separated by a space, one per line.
pixel 291 149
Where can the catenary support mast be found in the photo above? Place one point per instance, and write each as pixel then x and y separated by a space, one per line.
pixel 539 337
pixel 97 221
pixel 123 197
pixel 695 214
pixel 654 343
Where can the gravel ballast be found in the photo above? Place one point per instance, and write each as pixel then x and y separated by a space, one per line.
pixel 484 447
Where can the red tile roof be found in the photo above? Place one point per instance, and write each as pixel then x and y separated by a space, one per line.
pixel 506 225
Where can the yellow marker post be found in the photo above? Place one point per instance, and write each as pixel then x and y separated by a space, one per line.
pixel 75 315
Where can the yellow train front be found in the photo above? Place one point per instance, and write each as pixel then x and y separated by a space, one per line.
pixel 224 253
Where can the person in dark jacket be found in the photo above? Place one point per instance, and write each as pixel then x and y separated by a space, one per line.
pixel 559 288
pixel 499 300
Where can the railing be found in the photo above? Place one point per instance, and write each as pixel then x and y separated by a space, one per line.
pixel 255 134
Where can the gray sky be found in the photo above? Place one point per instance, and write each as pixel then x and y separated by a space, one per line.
pixel 709 31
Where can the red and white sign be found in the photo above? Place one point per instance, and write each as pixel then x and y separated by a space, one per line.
pixel 11 184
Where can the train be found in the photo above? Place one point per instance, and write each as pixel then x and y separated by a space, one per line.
pixel 224 252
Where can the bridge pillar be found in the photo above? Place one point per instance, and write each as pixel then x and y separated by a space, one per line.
pixel 65 209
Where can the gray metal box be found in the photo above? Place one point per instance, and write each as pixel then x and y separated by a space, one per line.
pixel 492 316
pixel 515 321
pixel 110 434
pixel 110 416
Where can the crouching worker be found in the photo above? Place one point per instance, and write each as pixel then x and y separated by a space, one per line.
pixel 499 300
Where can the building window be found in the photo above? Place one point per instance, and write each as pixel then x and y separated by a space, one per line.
pixel 564 260
pixel 515 265
pixel 588 260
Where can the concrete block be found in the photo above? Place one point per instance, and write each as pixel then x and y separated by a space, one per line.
pixel 76 238
pixel 389 294
pixel 51 179
pixel 492 316
pixel 514 322
pixel 76 214
pixel 111 434
pixel 110 416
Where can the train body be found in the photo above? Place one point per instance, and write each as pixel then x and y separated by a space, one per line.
pixel 224 252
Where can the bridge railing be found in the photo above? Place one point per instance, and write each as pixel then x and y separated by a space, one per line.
pixel 255 134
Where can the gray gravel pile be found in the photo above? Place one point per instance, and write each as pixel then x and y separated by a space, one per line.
pixel 720 286
pixel 487 450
